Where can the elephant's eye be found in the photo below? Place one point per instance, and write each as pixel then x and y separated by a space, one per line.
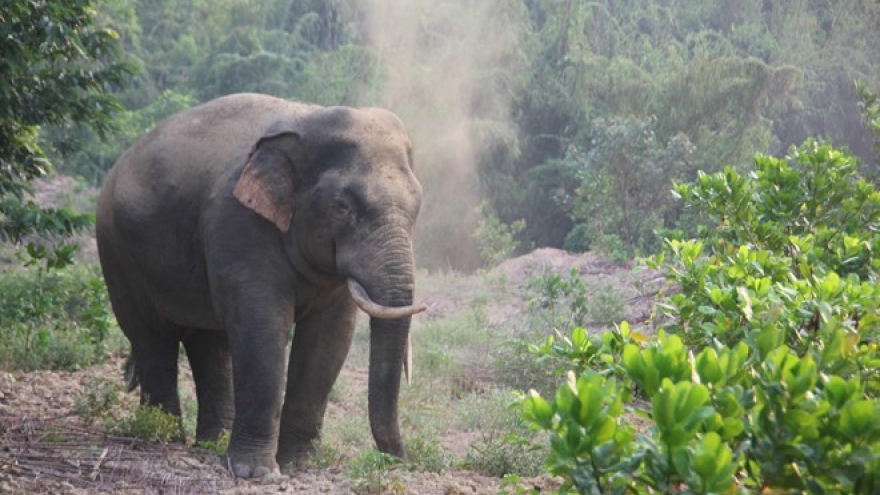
pixel 341 208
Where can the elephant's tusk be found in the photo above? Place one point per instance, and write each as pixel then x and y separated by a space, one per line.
pixel 407 360
pixel 362 299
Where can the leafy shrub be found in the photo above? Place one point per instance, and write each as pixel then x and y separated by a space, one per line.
pixel 373 472
pixel 98 400
pixel 218 446
pixel 764 377
pixel 56 319
pixel 504 446
pixel 101 402
pixel 425 453
pixel 624 182
pixel 149 423
pixel 496 239
pixel 570 302
pixel 499 454
pixel 519 368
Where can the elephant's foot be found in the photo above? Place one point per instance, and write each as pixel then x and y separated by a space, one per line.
pixel 254 466
pixel 295 457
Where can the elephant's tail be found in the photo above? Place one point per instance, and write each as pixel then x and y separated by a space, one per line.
pixel 131 373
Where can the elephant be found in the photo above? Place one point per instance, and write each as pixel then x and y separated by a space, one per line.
pixel 238 221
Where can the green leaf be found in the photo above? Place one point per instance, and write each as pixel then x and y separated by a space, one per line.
pixel 708 366
pixel 745 302
pixel 590 397
pixel 858 418
pixel 537 410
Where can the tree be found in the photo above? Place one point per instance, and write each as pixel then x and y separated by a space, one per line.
pixel 57 68
pixel 871 113
pixel 624 198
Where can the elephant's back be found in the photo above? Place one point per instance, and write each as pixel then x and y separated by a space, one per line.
pixel 207 139
pixel 177 165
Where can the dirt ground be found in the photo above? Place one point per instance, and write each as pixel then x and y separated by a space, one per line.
pixel 45 447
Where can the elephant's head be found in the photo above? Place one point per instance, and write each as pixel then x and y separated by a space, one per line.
pixel 339 183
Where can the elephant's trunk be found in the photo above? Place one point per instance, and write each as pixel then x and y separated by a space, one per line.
pixel 388 299
pixel 388 343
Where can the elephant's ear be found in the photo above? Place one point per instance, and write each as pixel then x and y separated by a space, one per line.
pixel 267 181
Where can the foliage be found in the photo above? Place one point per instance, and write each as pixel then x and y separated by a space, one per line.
pixel 373 473
pixel 552 289
pixel 54 319
pixel 499 454
pixel 150 423
pixel 426 454
pixel 504 445
pixel 98 400
pixel 93 159
pixel 218 446
pixel 788 247
pixel 495 239
pixel 765 375
pixel 728 77
pixel 871 112
pixel 570 303
pixel 101 401
pixel 59 68
pixel 624 179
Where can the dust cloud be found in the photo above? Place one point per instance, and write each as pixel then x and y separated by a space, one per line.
pixel 446 67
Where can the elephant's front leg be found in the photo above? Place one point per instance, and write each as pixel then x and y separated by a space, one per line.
pixel 258 359
pixel 320 345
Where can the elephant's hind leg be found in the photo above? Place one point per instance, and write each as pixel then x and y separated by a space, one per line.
pixel 155 341
pixel 208 353
pixel 155 345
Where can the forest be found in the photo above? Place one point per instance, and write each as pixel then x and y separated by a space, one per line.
pixel 562 123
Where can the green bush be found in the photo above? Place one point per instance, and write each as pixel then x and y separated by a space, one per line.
pixel 374 472
pixel 57 319
pixel 98 401
pixel 149 423
pixel 218 446
pixel 569 302
pixel 765 374
pixel 496 239
pixel 624 178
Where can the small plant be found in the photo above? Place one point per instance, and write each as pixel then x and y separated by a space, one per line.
pixel 373 474
pixel 97 403
pixel 570 303
pixel 149 423
pixel 347 434
pixel 512 484
pixel 519 368
pixel 498 453
pixel 559 293
pixel 504 446
pixel 425 454
pixel 605 306
pixel 496 239
pixel 218 446
pixel 327 453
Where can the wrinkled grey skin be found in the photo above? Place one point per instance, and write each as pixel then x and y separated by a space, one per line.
pixel 237 220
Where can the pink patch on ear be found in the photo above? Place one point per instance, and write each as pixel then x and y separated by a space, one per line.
pixel 254 191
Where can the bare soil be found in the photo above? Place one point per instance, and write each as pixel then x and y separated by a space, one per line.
pixel 45 447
